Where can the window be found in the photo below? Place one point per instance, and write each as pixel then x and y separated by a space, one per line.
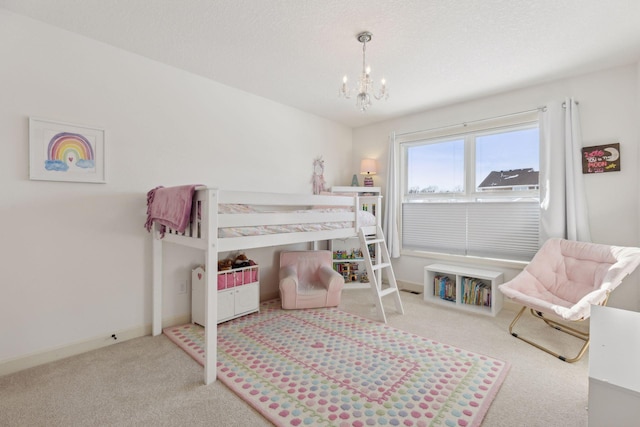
pixel 474 193
pixel 436 167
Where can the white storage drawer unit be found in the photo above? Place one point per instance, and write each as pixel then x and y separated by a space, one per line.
pixel 238 293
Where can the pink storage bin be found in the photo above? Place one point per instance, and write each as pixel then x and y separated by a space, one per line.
pixel 237 278
pixel 242 276
pixel 225 280
pixel 250 275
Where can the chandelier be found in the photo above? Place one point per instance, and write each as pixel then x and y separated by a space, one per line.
pixel 365 90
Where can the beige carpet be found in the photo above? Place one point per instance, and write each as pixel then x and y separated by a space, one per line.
pixel 150 381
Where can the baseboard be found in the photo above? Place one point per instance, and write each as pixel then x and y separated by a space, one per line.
pixel 269 296
pixel 417 288
pixel 58 353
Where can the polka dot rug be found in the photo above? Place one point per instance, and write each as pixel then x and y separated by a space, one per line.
pixel 326 367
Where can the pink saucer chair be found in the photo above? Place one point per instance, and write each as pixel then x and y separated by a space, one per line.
pixel 308 280
pixel 564 279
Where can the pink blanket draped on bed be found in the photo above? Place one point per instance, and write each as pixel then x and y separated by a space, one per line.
pixel 170 207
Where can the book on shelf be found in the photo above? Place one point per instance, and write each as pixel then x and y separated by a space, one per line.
pixel 444 287
pixel 476 292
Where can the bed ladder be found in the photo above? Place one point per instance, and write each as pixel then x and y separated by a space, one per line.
pixel 375 267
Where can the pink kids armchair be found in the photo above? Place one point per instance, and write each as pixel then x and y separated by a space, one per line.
pixel 307 280
pixel 564 279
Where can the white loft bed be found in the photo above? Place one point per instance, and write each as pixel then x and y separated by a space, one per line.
pixel 309 214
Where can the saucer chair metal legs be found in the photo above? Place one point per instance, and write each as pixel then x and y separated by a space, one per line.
pixel 584 336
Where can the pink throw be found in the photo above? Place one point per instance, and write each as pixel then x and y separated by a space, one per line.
pixel 170 207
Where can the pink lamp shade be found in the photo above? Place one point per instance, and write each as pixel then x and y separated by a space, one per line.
pixel 367 168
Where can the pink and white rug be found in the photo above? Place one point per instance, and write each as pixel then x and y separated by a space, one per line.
pixel 326 367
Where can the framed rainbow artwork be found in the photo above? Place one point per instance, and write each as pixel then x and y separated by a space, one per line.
pixel 65 152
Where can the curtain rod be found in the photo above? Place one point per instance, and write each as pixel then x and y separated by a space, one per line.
pixel 464 124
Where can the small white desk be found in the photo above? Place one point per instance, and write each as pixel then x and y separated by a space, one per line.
pixel 614 367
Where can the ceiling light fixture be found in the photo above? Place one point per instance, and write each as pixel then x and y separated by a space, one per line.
pixel 364 90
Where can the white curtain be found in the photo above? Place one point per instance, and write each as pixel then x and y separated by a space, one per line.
pixel 390 223
pixel 562 195
pixel 577 213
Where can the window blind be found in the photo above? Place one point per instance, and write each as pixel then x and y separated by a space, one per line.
pixel 505 230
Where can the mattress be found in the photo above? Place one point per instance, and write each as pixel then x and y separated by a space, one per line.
pixel 365 219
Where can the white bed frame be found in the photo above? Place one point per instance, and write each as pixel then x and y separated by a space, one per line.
pixel 202 233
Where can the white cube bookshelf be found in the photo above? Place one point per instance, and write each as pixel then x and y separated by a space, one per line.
pixel 461 278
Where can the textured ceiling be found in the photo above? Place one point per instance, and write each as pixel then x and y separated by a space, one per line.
pixel 431 52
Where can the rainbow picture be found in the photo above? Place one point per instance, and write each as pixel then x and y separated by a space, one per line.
pixel 66 152
pixel 68 149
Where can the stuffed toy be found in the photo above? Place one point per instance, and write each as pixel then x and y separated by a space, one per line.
pixel 241 261
pixel 225 264
pixel 318 176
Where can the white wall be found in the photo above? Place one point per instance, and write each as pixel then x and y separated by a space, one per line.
pixel 609 113
pixel 75 258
